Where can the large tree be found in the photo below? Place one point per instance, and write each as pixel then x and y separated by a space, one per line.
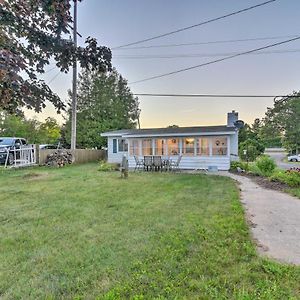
pixel 32 130
pixel 32 34
pixel 284 117
pixel 105 102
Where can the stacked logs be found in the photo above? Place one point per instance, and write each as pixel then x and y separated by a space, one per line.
pixel 59 158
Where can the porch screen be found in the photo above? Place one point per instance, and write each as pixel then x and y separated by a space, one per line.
pixel 147 146
pixel 188 146
pixel 202 146
pixel 173 146
pixel 134 147
pixel 160 147
pixel 122 145
pixel 219 145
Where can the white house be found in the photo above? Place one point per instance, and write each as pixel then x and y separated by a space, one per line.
pixel 200 146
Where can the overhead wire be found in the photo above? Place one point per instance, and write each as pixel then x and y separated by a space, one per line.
pixel 216 61
pixel 208 42
pixel 195 25
pixel 195 55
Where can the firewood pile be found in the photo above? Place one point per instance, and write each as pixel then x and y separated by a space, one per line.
pixel 59 158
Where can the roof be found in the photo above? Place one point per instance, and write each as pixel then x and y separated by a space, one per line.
pixel 174 131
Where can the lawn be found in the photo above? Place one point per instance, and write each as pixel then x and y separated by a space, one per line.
pixel 79 233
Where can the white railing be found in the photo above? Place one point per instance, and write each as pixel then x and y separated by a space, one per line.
pixel 21 157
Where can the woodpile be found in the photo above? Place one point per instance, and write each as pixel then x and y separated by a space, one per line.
pixel 59 158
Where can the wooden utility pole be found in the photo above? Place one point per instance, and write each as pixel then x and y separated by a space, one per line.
pixel 74 90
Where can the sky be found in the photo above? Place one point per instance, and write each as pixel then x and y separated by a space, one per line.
pixel 119 22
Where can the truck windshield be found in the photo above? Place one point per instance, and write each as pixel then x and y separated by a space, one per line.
pixel 6 141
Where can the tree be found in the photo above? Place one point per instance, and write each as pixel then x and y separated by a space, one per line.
pixel 32 130
pixel 284 118
pixel 250 149
pixel 32 33
pixel 105 103
pixel 50 130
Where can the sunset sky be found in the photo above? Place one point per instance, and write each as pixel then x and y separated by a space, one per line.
pixel 118 22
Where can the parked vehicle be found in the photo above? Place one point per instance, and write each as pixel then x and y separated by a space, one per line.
pixel 7 144
pixel 294 158
pixel 48 146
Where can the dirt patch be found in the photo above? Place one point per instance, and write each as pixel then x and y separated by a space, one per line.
pixel 265 182
pixel 35 176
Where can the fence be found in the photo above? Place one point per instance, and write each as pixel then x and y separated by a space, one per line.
pixel 81 155
pixel 21 157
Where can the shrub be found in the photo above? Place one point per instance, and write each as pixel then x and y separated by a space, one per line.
pixel 253 147
pixel 266 165
pixel 238 164
pixel 291 177
pixel 105 166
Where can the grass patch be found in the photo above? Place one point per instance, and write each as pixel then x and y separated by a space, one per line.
pixel 80 233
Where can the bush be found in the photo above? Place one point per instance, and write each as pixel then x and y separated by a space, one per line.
pixel 254 148
pixel 291 177
pixel 105 166
pixel 238 164
pixel 266 165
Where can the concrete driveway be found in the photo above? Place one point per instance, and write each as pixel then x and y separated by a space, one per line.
pixel 274 219
pixel 279 157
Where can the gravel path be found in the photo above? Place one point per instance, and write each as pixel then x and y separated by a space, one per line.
pixel 274 218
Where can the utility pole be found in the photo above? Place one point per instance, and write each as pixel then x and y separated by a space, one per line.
pixel 74 89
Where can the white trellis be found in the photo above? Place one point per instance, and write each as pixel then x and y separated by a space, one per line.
pixel 21 157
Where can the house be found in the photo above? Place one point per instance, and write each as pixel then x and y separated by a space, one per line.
pixel 200 146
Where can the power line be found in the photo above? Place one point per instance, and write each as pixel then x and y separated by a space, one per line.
pixel 195 25
pixel 208 42
pixel 209 95
pixel 53 78
pixel 216 61
pixel 195 55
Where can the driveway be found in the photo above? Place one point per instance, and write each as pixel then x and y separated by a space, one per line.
pixel 274 220
pixel 279 157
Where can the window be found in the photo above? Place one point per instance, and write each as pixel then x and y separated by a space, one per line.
pixel 188 146
pixel 160 147
pixel 134 147
pixel 147 147
pixel 114 145
pixel 122 145
pixel 202 146
pixel 219 145
pixel 173 146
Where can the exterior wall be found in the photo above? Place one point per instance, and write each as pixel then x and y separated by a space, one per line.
pixel 114 157
pixel 196 162
pixel 234 147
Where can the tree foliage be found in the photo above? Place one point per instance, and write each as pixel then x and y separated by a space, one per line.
pixel 105 103
pixel 32 33
pixel 33 131
pixel 284 117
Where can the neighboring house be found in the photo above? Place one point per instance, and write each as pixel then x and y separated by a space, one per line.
pixel 200 146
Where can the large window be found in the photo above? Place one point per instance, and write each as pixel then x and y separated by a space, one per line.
pixel 122 145
pixel 160 147
pixel 188 146
pixel 202 146
pixel 134 147
pixel 147 147
pixel 219 145
pixel 173 146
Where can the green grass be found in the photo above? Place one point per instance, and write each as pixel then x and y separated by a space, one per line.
pixel 77 233
pixel 294 192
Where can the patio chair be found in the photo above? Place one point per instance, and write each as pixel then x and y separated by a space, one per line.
pixel 148 163
pixel 139 163
pixel 157 163
pixel 174 165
